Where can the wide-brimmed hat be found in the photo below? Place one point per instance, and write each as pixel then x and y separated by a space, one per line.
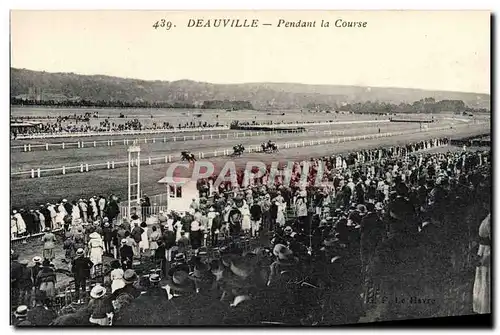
pixel 282 252
pixel 154 278
pixel 201 273
pixel 362 209
pixel 129 276
pixel 124 241
pixel 330 241
pixel 97 292
pixel 115 264
pixel 95 235
pixel 79 252
pixel 180 281
pixel 180 257
pixel 241 266
pixel 37 259
pixel 288 230
pixel 21 311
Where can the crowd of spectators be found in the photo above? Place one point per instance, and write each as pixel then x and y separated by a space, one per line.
pixel 386 224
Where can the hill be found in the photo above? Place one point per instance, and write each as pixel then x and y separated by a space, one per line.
pixel 260 95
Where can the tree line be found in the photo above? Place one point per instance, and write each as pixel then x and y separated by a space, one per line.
pixel 208 104
pixel 99 103
pixel 424 106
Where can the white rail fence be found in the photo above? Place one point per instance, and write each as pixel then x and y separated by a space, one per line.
pixel 127 141
pixel 85 167
pixel 124 132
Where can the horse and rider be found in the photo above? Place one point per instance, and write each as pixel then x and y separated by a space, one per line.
pixel 187 156
pixel 238 150
pixel 269 147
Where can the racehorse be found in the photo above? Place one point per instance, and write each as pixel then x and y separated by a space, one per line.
pixel 238 150
pixel 269 147
pixel 187 156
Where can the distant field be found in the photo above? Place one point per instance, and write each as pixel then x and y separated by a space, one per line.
pixel 176 116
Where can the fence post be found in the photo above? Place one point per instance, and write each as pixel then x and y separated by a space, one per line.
pixel 64 169
pixel 202 137
pixel 303 143
pixel 194 137
pixel 94 144
pixel 81 167
pixel 107 163
pixel 38 172
pixel 215 153
pixel 149 160
pixel 166 159
pixel 86 167
pixel 78 144
pixel 154 139
pixel 32 173
pixel 184 138
pixel 63 145
pixel 169 158
pixel 174 139
pixel 25 148
pixel 164 140
pixel 211 136
pixel 46 146
pixel 202 155
pixel 29 147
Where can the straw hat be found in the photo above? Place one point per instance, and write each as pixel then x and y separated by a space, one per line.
pixel 21 311
pixel 97 292
pixel 201 273
pixel 37 259
pixel 154 278
pixel 124 241
pixel 179 257
pixel 79 252
pixel 129 276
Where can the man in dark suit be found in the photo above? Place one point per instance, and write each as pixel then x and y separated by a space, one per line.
pixel 81 271
pixel 126 255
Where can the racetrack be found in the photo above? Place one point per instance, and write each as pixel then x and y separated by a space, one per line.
pixel 29 193
pixel 56 158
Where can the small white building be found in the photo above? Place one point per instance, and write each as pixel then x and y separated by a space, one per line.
pixel 181 190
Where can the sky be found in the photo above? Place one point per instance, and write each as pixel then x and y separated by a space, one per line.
pixel 439 50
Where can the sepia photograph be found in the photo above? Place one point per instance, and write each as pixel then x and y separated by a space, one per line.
pixel 257 168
